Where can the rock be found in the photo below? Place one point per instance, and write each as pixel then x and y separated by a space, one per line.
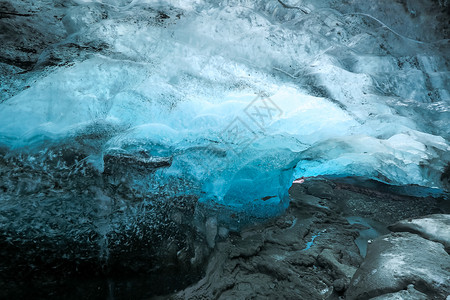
pixel 211 231
pixel 300 259
pixel 310 201
pixel 433 227
pixel 320 189
pixel 248 246
pixel 395 261
pixel 265 261
pixel 223 232
pixel 340 284
pixel 327 259
pixel 411 294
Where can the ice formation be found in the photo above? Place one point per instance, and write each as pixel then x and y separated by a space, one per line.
pixel 229 101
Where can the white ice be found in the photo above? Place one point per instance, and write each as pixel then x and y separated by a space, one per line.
pixel 239 93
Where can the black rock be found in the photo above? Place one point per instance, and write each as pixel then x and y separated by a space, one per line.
pixel 433 227
pixel 395 261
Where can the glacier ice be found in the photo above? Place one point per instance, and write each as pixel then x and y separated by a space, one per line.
pixel 229 101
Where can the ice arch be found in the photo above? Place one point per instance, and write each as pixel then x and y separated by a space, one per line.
pixel 230 101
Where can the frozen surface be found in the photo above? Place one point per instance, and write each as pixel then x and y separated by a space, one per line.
pixel 229 101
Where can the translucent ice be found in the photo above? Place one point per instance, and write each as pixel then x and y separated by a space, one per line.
pixel 229 102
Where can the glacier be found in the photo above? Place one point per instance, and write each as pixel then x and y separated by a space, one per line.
pixel 136 133
pixel 240 97
pixel 137 112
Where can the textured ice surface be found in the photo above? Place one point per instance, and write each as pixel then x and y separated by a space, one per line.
pixel 229 101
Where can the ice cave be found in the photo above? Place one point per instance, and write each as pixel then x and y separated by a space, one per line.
pixel 228 149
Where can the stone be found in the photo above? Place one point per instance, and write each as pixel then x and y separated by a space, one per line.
pixel 395 261
pixel 411 294
pixel 310 201
pixel 248 246
pixel 433 227
pixel 328 259
pixel 320 189
pixel 223 232
pixel 211 231
pixel 340 284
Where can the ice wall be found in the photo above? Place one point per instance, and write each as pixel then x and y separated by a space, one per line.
pixel 229 101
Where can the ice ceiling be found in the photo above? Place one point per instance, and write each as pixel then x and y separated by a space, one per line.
pixel 229 101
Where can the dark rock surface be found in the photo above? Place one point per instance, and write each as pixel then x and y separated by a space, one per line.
pixel 433 227
pixel 321 190
pixel 310 251
pixel 397 260
pixel 408 264
pixel 379 204
pixel 410 293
